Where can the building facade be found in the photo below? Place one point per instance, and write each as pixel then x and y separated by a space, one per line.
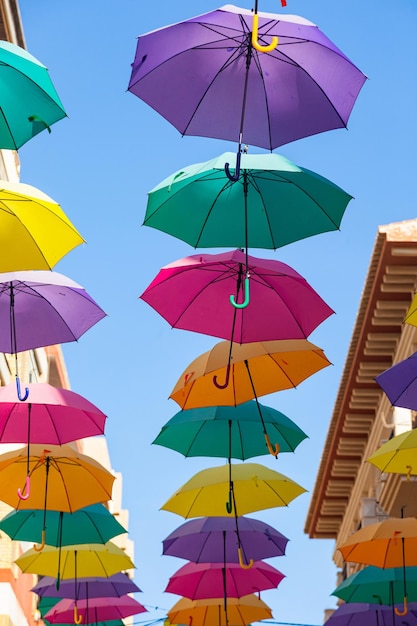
pixel 349 492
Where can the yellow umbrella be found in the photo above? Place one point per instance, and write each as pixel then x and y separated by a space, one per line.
pixel 391 543
pixel 251 487
pixel 55 478
pixel 398 455
pixel 255 370
pixel 211 612
pixel 35 233
pixel 74 561
pixel 411 317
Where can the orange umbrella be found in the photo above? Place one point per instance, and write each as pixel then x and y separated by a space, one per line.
pixel 253 370
pixel 240 611
pixel 391 543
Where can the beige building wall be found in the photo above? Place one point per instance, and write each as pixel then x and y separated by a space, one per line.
pixel 349 492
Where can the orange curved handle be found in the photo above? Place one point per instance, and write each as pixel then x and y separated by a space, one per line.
pixel 77 618
pixel 26 488
pixel 42 544
pixel 255 42
pixel 404 611
pixel 273 451
pixel 409 470
pixel 241 563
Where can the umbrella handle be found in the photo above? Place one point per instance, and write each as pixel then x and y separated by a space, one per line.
pixel 19 393
pixel 226 382
pixel 27 489
pixel 273 451
pixel 404 611
pixel 42 544
pixel 77 618
pixel 409 470
pixel 190 621
pixel 236 175
pixel 255 42
pixel 241 562
pixel 36 118
pixel 229 504
pixel 245 303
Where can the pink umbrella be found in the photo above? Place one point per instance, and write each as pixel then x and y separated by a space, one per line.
pixel 196 293
pixel 211 580
pixel 51 416
pixel 93 610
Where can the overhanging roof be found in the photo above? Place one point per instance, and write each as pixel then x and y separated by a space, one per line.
pixel 386 298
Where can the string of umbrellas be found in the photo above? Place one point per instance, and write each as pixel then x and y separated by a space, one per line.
pixel 58 496
pixel 262 80
pixel 384 590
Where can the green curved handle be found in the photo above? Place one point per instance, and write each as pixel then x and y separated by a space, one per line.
pixel 229 504
pixel 245 303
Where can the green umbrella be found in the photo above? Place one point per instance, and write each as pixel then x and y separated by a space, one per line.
pixel 375 585
pixel 92 524
pixel 29 102
pixel 229 431
pixel 274 202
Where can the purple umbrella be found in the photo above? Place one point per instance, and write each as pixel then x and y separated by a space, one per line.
pixel 362 614
pixel 83 588
pixel 42 308
pixel 399 382
pixel 220 539
pixel 208 77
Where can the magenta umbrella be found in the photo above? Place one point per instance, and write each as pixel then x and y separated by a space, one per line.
pixel 93 610
pixel 50 416
pixel 211 580
pixel 194 294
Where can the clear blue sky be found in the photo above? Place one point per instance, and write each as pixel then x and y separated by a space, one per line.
pixel 99 165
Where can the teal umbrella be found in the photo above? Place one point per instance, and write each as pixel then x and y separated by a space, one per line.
pixel 230 431
pixel 274 202
pixel 375 585
pixel 29 102
pixel 91 524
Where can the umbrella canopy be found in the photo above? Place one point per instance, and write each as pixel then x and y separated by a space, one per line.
pixel 228 431
pixel 217 539
pixel 378 586
pixel 50 415
pixel 94 610
pixel 397 455
pixel 194 294
pixel 84 560
pixel 251 370
pixel 359 614
pixel 43 308
pixel 61 479
pixel 91 524
pixel 198 581
pixel 29 102
pixel 411 317
pixel 391 543
pixel 273 203
pixel 82 588
pixel 211 612
pixel 399 382
pixel 35 233
pixel 255 488
pixel 206 78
